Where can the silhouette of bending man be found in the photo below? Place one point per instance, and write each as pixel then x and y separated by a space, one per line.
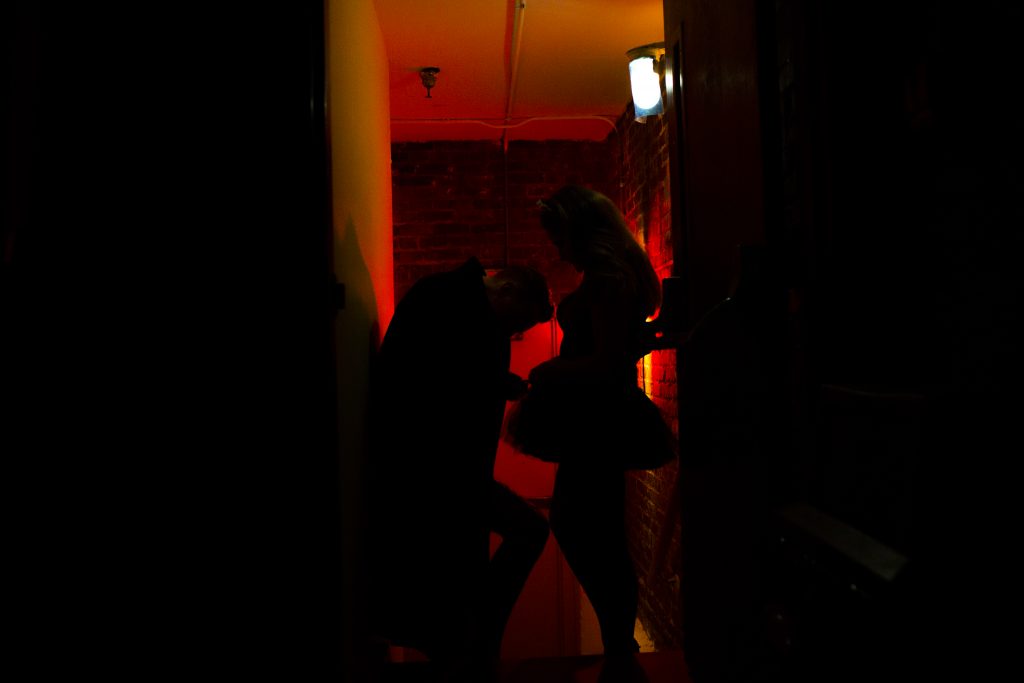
pixel 439 389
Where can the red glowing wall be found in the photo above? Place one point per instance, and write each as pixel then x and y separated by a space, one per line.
pixel 652 512
pixel 453 200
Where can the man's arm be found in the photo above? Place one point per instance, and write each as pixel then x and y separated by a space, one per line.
pixel 515 387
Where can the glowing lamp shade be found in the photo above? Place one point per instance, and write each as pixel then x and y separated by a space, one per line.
pixel 645 81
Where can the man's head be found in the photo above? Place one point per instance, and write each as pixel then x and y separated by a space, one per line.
pixel 519 297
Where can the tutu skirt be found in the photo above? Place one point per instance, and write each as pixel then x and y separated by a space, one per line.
pixel 616 425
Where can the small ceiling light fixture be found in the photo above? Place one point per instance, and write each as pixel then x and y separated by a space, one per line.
pixel 429 77
pixel 645 66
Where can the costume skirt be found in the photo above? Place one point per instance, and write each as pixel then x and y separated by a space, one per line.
pixel 612 424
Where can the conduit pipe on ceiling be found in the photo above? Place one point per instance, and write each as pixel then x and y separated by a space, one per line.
pixel 519 124
pixel 515 45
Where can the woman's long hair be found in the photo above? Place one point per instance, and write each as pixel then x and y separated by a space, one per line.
pixel 601 240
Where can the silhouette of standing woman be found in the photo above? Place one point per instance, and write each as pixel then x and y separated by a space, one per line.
pixel 584 409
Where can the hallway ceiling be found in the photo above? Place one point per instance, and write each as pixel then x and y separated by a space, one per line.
pixel 571 63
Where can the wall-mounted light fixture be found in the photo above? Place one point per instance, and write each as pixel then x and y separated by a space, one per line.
pixel 646 64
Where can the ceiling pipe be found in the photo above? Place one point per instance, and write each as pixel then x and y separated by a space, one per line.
pixel 519 124
pixel 515 42
pixel 518 8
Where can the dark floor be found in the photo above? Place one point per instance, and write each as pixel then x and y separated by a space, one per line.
pixel 657 667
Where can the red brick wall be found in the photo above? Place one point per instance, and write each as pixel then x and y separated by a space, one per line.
pixel 450 203
pixel 652 513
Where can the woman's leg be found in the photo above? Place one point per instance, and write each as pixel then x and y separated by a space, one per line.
pixel 588 518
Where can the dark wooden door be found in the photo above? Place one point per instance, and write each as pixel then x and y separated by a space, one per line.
pixel 872 152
